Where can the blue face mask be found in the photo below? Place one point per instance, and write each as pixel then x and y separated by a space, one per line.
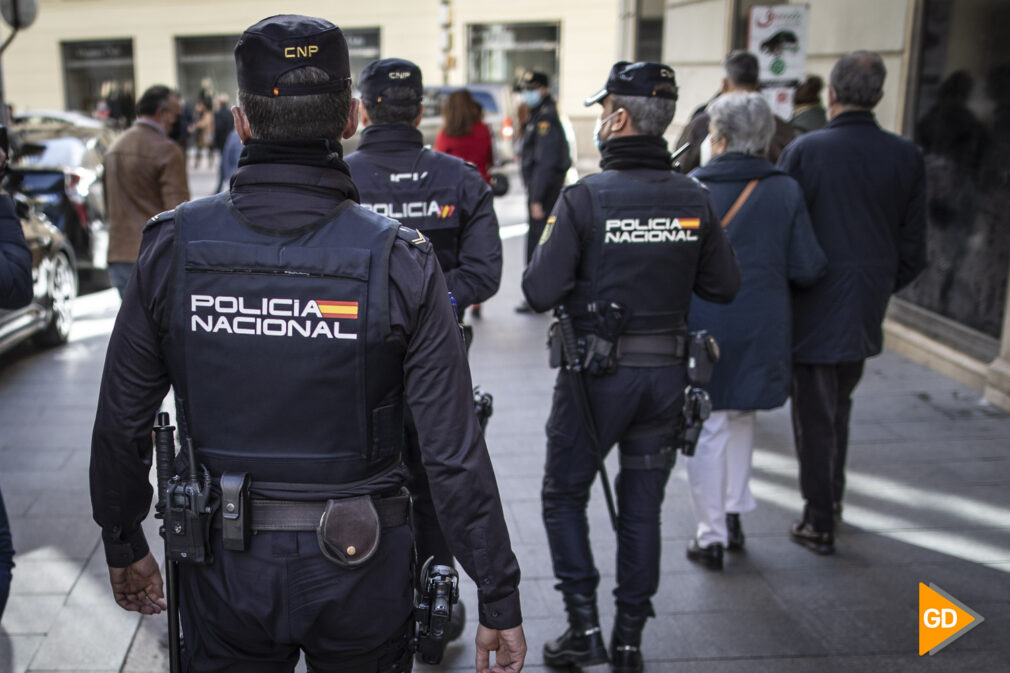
pixel 531 97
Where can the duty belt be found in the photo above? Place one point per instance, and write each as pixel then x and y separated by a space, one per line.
pixel 652 350
pixel 296 515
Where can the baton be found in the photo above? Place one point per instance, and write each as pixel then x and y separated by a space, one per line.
pixel 164 451
pixel 569 343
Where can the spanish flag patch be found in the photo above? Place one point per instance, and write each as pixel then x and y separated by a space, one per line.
pixel 338 309
pixel 689 222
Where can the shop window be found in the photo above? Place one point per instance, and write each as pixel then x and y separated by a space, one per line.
pixel 99 79
pixel 961 111
pixel 363 45
pixel 206 67
pixel 500 53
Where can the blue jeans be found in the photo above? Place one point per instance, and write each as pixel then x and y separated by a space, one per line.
pixel 6 556
pixel 119 274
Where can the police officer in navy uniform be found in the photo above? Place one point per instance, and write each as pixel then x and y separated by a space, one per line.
pixel 294 325
pixel 545 158
pixel 444 198
pixel 640 237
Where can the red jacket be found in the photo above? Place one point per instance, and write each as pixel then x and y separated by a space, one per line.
pixel 475 148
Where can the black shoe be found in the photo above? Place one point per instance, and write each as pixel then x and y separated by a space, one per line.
pixel 582 644
pixel 625 644
pixel 816 541
pixel 457 620
pixel 523 307
pixel 736 536
pixel 710 556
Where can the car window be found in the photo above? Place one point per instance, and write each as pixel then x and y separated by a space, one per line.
pixel 54 152
pixel 486 101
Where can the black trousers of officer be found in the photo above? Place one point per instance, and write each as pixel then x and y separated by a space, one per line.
pixel 642 423
pixel 821 406
pixel 252 611
pixel 536 228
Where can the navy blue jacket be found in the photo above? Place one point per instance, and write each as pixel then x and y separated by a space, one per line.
pixel 544 153
pixel 775 246
pixel 15 259
pixel 866 193
pixel 392 167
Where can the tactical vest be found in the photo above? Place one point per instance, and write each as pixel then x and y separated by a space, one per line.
pixel 423 197
pixel 644 250
pixel 280 337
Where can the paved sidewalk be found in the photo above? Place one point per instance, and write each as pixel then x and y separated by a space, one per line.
pixel 928 501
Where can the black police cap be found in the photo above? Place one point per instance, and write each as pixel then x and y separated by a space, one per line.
pixel 279 44
pixel 638 79
pixel 389 73
pixel 534 80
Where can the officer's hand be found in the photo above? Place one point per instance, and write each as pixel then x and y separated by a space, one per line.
pixel 138 587
pixel 509 647
pixel 537 211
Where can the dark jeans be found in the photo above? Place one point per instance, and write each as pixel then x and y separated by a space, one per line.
pixel 643 423
pixel 537 226
pixel 252 611
pixel 821 404
pixel 6 556
pixel 119 274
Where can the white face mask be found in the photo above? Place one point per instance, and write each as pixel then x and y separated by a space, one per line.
pixel 599 127
pixel 706 150
pixel 531 97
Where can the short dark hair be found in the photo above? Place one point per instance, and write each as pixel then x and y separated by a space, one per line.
pixel 321 115
pixel 389 110
pixel 809 92
pixel 742 68
pixel 858 79
pixel 155 98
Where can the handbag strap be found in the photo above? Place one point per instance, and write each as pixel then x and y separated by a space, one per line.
pixel 738 204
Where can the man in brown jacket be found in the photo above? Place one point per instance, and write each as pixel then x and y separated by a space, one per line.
pixel 145 174
pixel 741 77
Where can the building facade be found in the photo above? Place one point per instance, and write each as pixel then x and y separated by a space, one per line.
pixel 948 88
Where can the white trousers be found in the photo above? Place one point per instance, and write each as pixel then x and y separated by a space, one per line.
pixel 719 473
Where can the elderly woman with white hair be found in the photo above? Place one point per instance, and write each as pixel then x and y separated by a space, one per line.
pixel 765 216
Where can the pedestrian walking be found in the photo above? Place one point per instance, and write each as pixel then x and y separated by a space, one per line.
pixel 621 253
pixel 145 174
pixel 544 158
pixel 15 291
pixel 447 201
pixel 765 217
pixel 865 189
pixel 741 76
pixel 345 313
pixel 463 134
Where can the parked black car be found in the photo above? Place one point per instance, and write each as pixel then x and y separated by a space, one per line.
pixel 57 164
pixel 50 315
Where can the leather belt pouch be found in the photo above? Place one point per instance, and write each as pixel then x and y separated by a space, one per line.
pixel 349 531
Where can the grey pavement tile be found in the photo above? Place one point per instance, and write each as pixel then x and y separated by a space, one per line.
pixel 762 633
pixel 706 591
pixel 837 586
pixel 16 651
pixel 56 576
pixel 33 459
pixel 92 637
pixel 46 537
pixel 62 502
pixel 31 614
pixel 17 503
pixel 146 653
